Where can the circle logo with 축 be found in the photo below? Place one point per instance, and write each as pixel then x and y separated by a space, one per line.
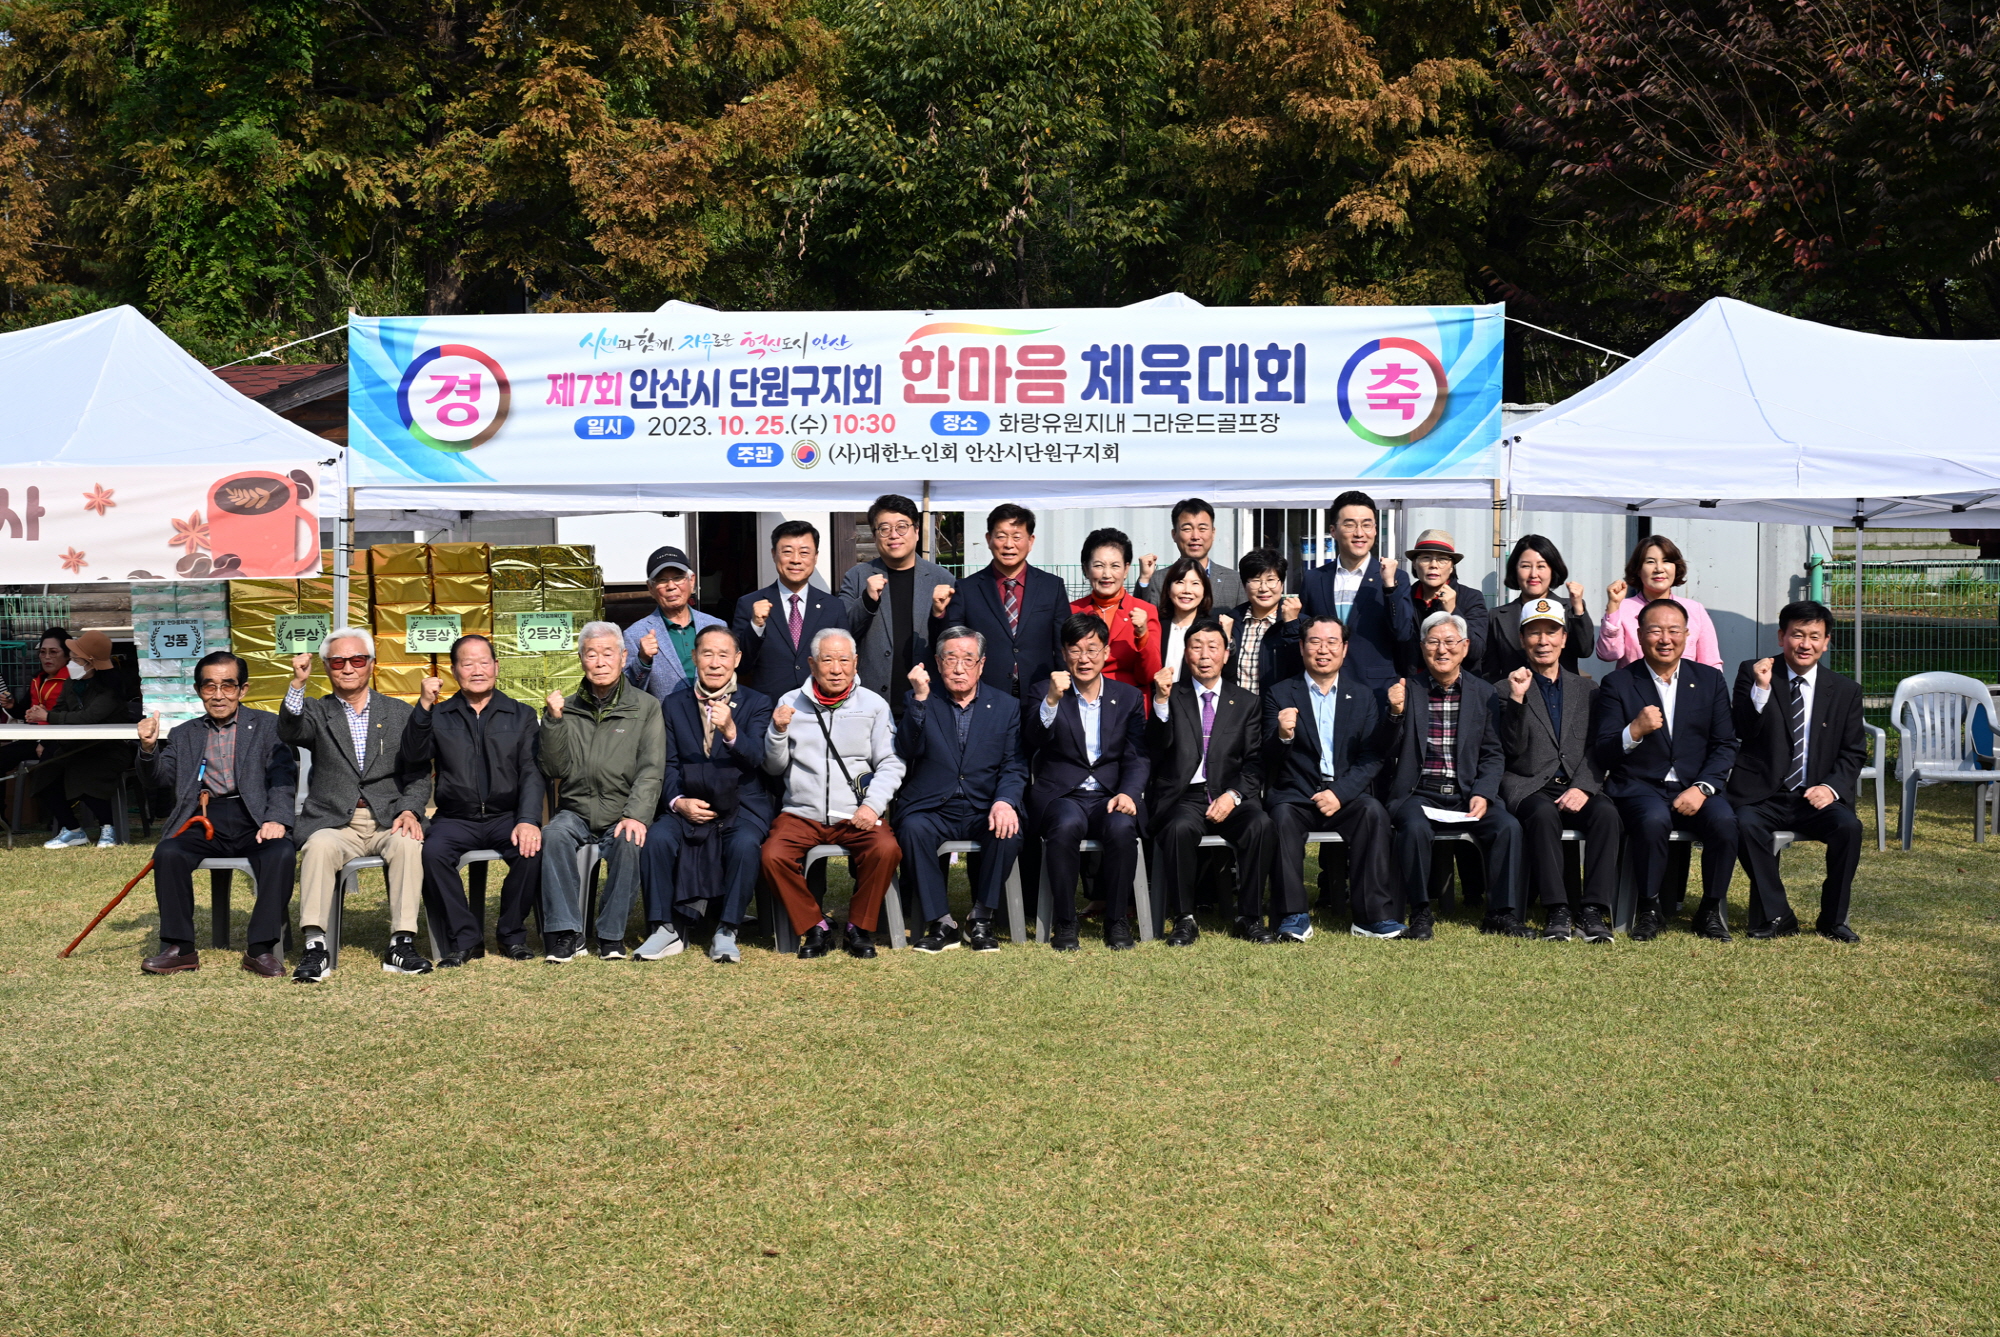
pixel 1393 391
pixel 453 397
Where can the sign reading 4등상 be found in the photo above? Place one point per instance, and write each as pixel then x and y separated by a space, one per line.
pixel 176 638
pixel 545 633
pixel 430 633
pixel 302 633
pixel 693 397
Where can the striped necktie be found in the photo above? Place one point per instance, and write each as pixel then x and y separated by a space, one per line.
pixel 1795 718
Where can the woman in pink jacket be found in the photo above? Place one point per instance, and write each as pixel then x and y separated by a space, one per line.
pixel 1654 569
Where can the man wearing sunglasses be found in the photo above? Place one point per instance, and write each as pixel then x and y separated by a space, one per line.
pixel 364 797
pixel 233 755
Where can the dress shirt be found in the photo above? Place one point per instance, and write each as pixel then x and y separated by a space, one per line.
pixel 1324 705
pixel 357 722
pixel 1346 585
pixel 218 756
pixel 1092 714
pixel 1665 686
pixel 781 608
pixel 1203 695
pixel 1808 683
pixel 1440 746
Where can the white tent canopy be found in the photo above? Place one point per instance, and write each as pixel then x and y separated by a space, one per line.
pixel 1743 414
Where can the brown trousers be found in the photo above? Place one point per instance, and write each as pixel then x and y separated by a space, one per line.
pixel 876 855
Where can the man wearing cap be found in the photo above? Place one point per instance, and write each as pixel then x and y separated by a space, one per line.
pixel 889 600
pixel 659 647
pixel 82 772
pixel 1552 782
pixel 1434 560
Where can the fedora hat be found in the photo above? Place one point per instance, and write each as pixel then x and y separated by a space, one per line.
pixel 1434 543
pixel 92 648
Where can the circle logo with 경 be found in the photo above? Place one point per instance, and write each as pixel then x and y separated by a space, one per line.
pixel 1393 391
pixel 453 397
pixel 805 454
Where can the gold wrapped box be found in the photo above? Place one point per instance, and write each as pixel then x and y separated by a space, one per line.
pixel 473 618
pixel 459 559
pixel 399 559
pixel 316 595
pixel 567 554
pixel 571 577
pixel 271 676
pixel 515 578
pixel 586 603
pixel 263 591
pixel 517 601
pixel 515 554
pixel 475 588
pixel 391 621
pixel 402 589
pixel 253 632
pixel 402 680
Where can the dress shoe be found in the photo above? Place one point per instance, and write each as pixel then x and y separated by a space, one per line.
pixel 172 959
pixel 1646 925
pixel 1251 930
pixel 1422 921
pixel 979 935
pixel 1785 925
pixel 937 936
pixel 266 963
pixel 1592 926
pixel 1839 933
pixel 860 943
pixel 813 944
pixel 1062 937
pixel 1505 924
pixel 1185 932
pixel 1709 923
pixel 516 951
pixel 1118 935
pixel 454 958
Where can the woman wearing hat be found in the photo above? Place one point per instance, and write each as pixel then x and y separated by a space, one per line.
pixel 1434 588
pixel 84 773
pixel 1653 571
pixel 1535 568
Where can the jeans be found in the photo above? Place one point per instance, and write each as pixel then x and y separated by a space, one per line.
pixel 562 880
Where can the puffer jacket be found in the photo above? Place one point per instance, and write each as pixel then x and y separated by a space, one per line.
pixel 607 758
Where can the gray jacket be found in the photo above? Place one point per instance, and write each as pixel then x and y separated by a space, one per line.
pixel 336 787
pixel 865 736
pixel 267 771
pixel 1223 582
pixel 872 623
pixel 1534 756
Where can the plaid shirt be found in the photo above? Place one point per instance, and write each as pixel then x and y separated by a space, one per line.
pixel 1254 630
pixel 219 758
pixel 357 722
pixel 1441 736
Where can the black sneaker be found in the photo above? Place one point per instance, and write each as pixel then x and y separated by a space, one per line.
pixel 860 943
pixel 611 949
pixel 1063 937
pixel 1591 924
pixel 1186 931
pixel 1505 924
pixel 516 951
pixel 937 937
pixel 979 935
pixel 1646 925
pixel 314 966
pixel 1422 921
pixel 1118 935
pixel 403 958
pixel 813 945
pixel 562 946
pixel 1558 927
pixel 1710 923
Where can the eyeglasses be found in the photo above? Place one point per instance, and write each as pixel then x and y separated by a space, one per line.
pixel 903 530
pixel 1436 643
pixel 349 661
pixel 221 688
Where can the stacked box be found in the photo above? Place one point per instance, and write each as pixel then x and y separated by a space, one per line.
pixel 254 609
pixel 167 685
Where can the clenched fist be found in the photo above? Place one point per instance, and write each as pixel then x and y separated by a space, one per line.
pixel 759 611
pixel 1761 671
pixel 941 600
pixel 649 646
pixel 1289 607
pixel 1575 588
pixel 920 681
pixel 876 584
pixel 1288 723
pixel 722 718
pixel 1163 682
pixel 1058 684
pixel 1648 720
pixel 1517 684
pixel 149 732
pixel 1138 616
pixel 1617 592
pixel 302 668
pixel 1398 693
pixel 427 695
pixel 1148 563
pixel 1448 597
pixel 781 718
pixel 554 702
pixel 1388 573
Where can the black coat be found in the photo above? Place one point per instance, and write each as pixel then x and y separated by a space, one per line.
pixel 990 767
pixel 752 712
pixel 1503 640
pixel 1371 632
pixel 486 761
pixel 1480 761
pixel 1034 650
pixel 1700 747
pixel 1277 653
pixel 89 769
pixel 267 769
pixel 1291 769
pixel 1836 743
pixel 1409 624
pixel 772 664
pixel 1235 745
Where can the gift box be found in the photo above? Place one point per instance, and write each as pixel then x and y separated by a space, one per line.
pixel 566 554
pixel 263 592
pixel 391 622
pixel 460 558
pixel 476 588
pixel 399 559
pixel 517 601
pixel 474 619
pixel 588 604
pixel 402 589
pixel 316 595
pixel 562 673
pixel 515 578
pixel 571 577
pixel 402 681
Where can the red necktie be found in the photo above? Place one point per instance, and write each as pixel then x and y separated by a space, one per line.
pixel 1012 603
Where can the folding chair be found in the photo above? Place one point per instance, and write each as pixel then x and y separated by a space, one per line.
pixel 219 871
pixel 475 881
pixel 1142 895
pixel 1016 915
pixel 787 940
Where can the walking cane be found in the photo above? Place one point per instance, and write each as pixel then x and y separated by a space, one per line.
pixel 208 829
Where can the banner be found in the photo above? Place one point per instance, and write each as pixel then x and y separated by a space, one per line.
pixel 1073 395
pixel 63 524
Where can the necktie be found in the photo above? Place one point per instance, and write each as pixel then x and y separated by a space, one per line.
pixel 798 621
pixel 1207 725
pixel 1012 602
pixel 1795 718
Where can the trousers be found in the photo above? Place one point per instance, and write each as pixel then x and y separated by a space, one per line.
pixel 562 878
pixel 326 850
pixel 1649 818
pixel 875 854
pixel 444 888
pixel 1083 815
pixel 1363 827
pixel 1542 825
pixel 271 865
pixel 1836 825
pixel 742 838
pixel 920 834
pixel 1497 834
pixel 1247 829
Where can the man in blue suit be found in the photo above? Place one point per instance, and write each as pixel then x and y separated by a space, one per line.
pixel 716 805
pixel 1357 588
pixel 1321 760
pixel 775 625
pixel 1661 731
pixel 1018 608
pixel 965 781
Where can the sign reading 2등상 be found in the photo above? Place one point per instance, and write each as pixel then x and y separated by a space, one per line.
pixel 545 633
pixel 683 396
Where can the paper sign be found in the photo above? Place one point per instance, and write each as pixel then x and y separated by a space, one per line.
pixel 302 633
pixel 430 633
pixel 1447 814
pixel 176 638
pixel 545 633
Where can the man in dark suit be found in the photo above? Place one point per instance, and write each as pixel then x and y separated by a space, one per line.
pixel 363 798
pixel 1194 537
pixel 1434 588
pixel 1661 732
pixel 1018 608
pixel 775 625
pixel 1552 782
pixel 1321 760
pixel 716 805
pixel 966 781
pixel 1206 740
pixel 1087 737
pixel 231 755
pixel 1443 741
pixel 1798 769
pixel 1357 588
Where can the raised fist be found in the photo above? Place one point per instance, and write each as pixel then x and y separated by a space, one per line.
pixel 149 731
pixel 1617 592
pixel 876 584
pixel 920 681
pixel 1148 563
pixel 1398 693
pixel 1138 616
pixel 1289 607
pixel 1163 681
pixel 1388 573
pixel 1288 722
pixel 302 668
pixel 1575 588
pixel 941 600
pixel 1761 671
pixel 1648 720
pixel 781 718
pixel 1058 684
pixel 1517 684
pixel 649 645
pixel 428 693
pixel 1448 597
pixel 554 702
pixel 759 611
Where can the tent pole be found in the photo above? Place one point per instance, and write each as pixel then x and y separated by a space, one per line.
pixel 1499 514
pixel 929 548
pixel 1860 534
pixel 343 549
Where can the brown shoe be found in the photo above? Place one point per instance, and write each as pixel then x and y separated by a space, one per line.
pixel 172 958
pixel 267 964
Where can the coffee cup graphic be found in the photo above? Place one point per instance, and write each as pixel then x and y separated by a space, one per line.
pixel 261 519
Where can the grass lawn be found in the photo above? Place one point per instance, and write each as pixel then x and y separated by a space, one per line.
pixel 1468 1136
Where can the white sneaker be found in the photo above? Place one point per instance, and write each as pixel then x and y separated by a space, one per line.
pixel 105 839
pixel 662 942
pixel 68 839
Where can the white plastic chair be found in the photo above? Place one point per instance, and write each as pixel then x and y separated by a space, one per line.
pixel 1142 893
pixel 1933 715
pixel 1877 770
pixel 786 939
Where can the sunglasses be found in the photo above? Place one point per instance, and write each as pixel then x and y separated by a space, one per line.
pixel 349 661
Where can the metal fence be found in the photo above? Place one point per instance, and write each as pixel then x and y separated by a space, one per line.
pixel 23 618
pixel 1917 617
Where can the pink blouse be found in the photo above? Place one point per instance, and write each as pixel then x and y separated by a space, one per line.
pixel 1618 634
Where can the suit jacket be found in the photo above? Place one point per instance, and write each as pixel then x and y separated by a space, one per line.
pixel 1224 584
pixel 1058 754
pixel 1235 745
pixel 663 676
pixel 1503 641
pixel 1371 634
pixel 873 627
pixel 772 664
pixel 1479 759
pixel 1700 747
pixel 1277 653
pixel 1535 755
pixel 990 766
pixel 1836 745
pixel 1409 622
pixel 388 782
pixel 752 712
pixel 267 770
pixel 1292 771
pixel 1035 650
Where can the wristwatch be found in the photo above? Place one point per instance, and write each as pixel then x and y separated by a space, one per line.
pixel 1705 787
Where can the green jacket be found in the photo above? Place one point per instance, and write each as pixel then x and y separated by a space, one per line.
pixel 607 760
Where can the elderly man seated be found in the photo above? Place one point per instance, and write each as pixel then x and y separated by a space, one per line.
pixel 833 746
pixel 605 748
pixel 364 797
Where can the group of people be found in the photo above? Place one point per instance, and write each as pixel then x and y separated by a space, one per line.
pixel 1380 707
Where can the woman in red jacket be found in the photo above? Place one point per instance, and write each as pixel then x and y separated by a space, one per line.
pixel 1135 641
